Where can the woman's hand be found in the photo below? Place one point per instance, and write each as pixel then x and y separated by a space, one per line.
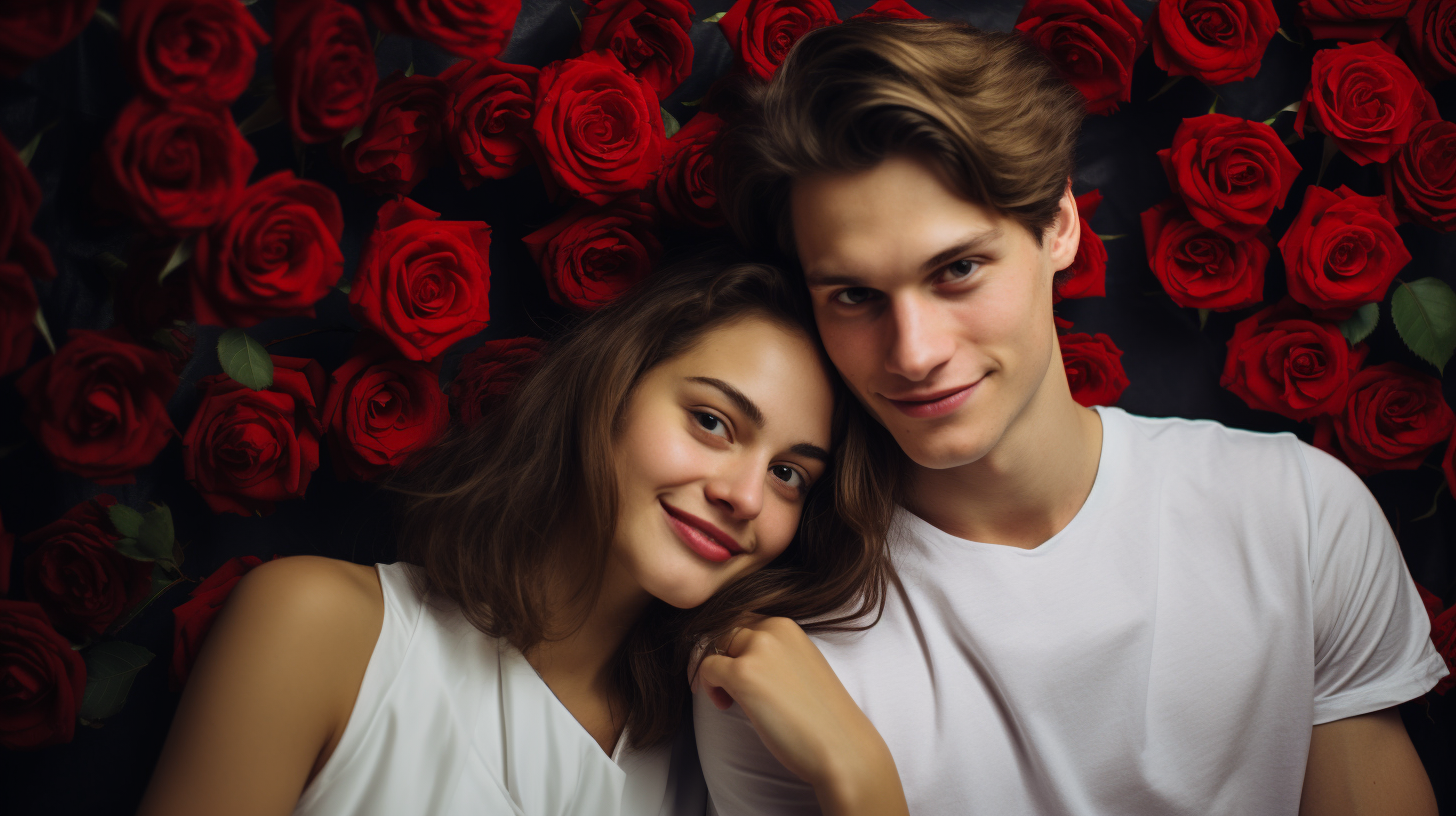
pixel 805 717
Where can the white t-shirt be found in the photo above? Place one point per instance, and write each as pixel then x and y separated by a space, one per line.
pixel 1219 593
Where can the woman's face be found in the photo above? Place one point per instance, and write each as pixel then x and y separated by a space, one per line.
pixel 717 451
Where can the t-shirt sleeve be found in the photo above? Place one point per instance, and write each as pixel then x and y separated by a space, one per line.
pixel 743 778
pixel 1372 636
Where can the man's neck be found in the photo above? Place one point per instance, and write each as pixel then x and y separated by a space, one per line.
pixel 1028 487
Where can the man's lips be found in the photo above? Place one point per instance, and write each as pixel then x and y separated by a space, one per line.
pixel 701 535
pixel 935 403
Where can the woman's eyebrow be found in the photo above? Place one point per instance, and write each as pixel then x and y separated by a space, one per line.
pixel 811 451
pixel 738 398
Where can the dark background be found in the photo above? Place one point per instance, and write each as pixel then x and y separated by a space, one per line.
pixel 1173 365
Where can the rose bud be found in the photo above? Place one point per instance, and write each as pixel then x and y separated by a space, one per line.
pixel 402 136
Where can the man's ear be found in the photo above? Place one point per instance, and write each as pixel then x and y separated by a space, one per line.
pixel 1065 232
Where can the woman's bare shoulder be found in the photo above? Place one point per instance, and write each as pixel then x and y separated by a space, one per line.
pixel 314 586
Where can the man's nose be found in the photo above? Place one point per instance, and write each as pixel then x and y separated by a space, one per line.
pixel 917 346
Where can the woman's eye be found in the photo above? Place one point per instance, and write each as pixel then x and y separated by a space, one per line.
pixel 853 296
pixel 960 269
pixel 710 423
pixel 788 476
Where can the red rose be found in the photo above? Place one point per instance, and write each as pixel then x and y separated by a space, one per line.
pixel 178 168
pixel 762 31
pixel 77 575
pixel 7 549
pixel 649 38
pixel 1392 416
pixel 478 29
pixel 192 620
pixel 99 405
pixel 1431 31
pixel 1087 276
pixel 1443 637
pixel 1094 368
pixel 490 373
pixel 1231 173
pixel 1094 44
pixel 379 412
pixel 685 189
pixel 1342 251
pixel 423 283
pixel 1421 179
pixel 324 68
pixel 599 127
pixel 1213 41
pixel 196 51
pixel 1365 98
pixel 591 255
pixel 17 317
pixel 42 679
pixel 247 449
pixel 1351 20
pixel 276 254
pixel 1281 359
pixel 1199 267
pixel 19 200
pixel 401 138
pixel 31 30
pixel 890 10
pixel 488 117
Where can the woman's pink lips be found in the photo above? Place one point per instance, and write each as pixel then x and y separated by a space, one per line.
pixel 701 536
pixel 939 405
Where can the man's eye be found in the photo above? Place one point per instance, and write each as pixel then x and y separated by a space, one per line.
pixel 960 269
pixel 710 423
pixel 788 476
pixel 854 296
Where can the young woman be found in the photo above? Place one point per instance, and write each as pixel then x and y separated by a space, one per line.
pixel 681 474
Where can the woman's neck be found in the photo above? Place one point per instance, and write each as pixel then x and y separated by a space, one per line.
pixel 578 666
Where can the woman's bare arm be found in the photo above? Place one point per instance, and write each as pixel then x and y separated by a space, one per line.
pixel 271 690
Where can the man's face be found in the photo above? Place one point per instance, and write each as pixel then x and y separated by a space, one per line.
pixel 936 311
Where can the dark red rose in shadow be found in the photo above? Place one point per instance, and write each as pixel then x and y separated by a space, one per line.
pixel 476 29
pixel 490 373
pixel 247 449
pixel 1392 417
pixel 19 201
pixel 649 38
pixel 591 255
pixel 1351 20
pixel 762 31
pixel 1282 359
pixel 276 254
pixel 1342 251
pixel 192 620
pixel 42 679
pixel 402 136
pixel 1198 267
pixel 1421 180
pixel 488 118
pixel 1431 30
pixel 1443 635
pixel 32 30
pixel 423 283
pixel 685 191
pixel 380 411
pixel 99 405
pixel 324 68
pixel 1094 43
pixel 200 52
pixel 17 317
pixel 77 575
pixel 1094 368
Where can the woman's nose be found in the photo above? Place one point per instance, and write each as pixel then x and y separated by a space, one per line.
pixel 737 488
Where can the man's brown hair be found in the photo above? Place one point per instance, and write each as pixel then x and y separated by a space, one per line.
pixel 985 107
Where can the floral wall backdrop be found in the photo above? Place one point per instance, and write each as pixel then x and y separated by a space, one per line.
pixel 254 254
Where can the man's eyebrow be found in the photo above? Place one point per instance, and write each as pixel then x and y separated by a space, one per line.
pixel 971 243
pixel 738 398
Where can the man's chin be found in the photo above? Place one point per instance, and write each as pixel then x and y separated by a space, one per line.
pixel 948 448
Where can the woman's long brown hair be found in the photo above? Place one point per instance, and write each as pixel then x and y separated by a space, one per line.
pixel 508 513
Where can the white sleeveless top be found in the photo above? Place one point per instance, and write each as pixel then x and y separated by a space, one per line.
pixel 452 721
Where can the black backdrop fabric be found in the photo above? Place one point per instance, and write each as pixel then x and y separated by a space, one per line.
pixel 1172 363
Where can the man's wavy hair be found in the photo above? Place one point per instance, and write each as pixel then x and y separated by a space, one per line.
pixel 985 107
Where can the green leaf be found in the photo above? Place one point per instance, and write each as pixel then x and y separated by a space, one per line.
pixel 1292 107
pixel 1106 238
pixel 1167 86
pixel 409 70
pixel 1425 315
pixel 107 18
pixel 265 115
pixel 1285 35
pixel 576 17
pixel 669 123
pixel 127 521
pixel 111 666
pixel 378 38
pixel 45 329
pixel 344 286
pixel 1361 324
pixel 157 535
pixel 716 17
pixel 1202 318
pixel 181 255
pixel 244 359
pixel 27 152
pixel 162 580
pixel 111 262
pixel 354 133
pixel 694 103
pixel 1214 106
pixel 164 338
pixel 1330 149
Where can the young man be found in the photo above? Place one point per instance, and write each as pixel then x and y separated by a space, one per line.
pixel 1094 613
